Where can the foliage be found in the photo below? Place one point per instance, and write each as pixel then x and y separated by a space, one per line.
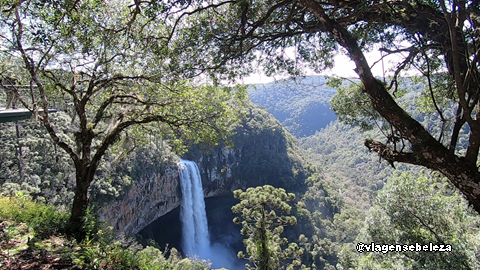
pixel 31 163
pixel 422 210
pixel 263 226
pixel 341 190
pixel 269 155
pixel 343 186
pixel 353 107
pixel 22 220
pixel 105 250
pixel 436 39
pixel 44 219
pixel 111 74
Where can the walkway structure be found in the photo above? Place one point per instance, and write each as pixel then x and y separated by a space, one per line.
pixel 11 115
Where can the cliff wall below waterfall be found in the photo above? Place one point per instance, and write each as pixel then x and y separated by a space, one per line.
pixel 145 201
pixel 262 153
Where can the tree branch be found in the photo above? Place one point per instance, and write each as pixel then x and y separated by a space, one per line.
pixel 30 66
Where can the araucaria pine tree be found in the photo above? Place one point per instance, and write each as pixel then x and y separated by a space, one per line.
pixel 264 212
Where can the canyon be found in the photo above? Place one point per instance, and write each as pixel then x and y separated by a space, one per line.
pixel 262 153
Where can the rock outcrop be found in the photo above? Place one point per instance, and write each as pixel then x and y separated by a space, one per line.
pixel 216 168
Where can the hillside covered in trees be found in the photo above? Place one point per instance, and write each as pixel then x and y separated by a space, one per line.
pixel 353 177
pixel 301 105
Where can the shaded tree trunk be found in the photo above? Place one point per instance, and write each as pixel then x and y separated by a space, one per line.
pixel 84 178
pixel 426 150
pixel 265 256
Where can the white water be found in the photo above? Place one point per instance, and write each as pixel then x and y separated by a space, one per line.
pixel 195 236
pixel 196 239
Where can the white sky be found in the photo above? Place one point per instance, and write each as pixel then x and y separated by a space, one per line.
pixel 343 68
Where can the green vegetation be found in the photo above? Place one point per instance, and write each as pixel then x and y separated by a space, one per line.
pixel 136 87
pixel 301 104
pixel 32 236
pixel 421 210
pixel 344 208
pixel 110 76
pixel 264 212
pixel 268 153
pixel 31 163
pixel 335 191
pixel 42 218
pixel 436 39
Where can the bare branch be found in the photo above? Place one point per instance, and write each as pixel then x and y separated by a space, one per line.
pixel 30 66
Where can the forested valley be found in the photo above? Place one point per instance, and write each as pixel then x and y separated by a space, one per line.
pixel 130 137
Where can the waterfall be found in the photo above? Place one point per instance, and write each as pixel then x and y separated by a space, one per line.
pixel 195 235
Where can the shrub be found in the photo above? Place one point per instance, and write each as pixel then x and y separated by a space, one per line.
pixel 44 219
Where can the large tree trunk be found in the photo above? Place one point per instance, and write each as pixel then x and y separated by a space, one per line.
pixel 426 150
pixel 84 178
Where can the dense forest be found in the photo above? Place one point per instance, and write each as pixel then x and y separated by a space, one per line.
pixel 98 113
pixel 301 105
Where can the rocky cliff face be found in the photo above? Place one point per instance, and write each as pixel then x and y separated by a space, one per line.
pixel 216 168
pixel 145 201
pixel 262 155
pixel 158 193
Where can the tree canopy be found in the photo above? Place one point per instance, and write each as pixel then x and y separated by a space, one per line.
pixel 437 39
pixel 110 73
pixel 429 212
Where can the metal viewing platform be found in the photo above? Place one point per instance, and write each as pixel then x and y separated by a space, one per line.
pixel 10 115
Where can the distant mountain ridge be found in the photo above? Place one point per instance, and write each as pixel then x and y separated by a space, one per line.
pixel 301 104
